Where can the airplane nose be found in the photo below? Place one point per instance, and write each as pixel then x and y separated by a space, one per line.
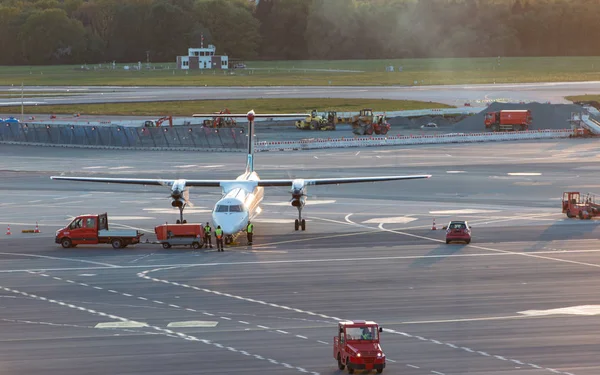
pixel 230 223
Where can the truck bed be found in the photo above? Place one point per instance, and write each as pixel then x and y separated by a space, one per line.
pixel 125 233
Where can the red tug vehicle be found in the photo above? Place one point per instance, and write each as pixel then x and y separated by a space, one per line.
pixel 574 204
pixel 357 346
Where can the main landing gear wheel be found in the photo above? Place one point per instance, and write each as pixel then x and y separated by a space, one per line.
pixel 300 224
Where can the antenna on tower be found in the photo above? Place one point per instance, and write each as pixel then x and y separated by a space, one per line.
pixel 202 40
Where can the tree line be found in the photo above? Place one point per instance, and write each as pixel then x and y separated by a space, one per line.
pixel 78 31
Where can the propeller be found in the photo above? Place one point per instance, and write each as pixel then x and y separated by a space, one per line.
pixel 186 197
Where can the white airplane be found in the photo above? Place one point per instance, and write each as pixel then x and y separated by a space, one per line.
pixel 242 196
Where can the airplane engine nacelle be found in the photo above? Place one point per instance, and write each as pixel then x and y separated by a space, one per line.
pixel 178 198
pixel 177 202
pixel 298 202
pixel 298 193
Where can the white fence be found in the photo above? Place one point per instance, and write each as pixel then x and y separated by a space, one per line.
pixel 410 140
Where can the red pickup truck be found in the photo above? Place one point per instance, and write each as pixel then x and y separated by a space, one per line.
pixel 357 346
pixel 93 230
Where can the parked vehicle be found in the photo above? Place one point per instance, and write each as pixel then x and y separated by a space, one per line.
pixel 508 120
pixel 93 230
pixel 458 230
pixel 575 204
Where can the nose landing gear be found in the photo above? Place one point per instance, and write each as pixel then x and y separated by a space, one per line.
pixel 300 222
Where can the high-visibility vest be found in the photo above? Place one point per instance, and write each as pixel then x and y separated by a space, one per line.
pixel 207 230
pixel 250 228
pixel 219 233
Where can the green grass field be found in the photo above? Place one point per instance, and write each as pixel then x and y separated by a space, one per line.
pixel 583 98
pixel 187 108
pixel 306 73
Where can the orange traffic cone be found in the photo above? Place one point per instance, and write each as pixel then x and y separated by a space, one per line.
pixel 37 229
pixel 433 227
pixel 8 230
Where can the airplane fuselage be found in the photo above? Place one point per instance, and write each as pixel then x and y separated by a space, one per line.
pixel 239 203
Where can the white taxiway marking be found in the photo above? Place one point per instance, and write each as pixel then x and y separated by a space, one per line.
pixel 95 167
pixel 126 324
pixel 588 310
pixel 186 166
pixel 524 174
pixel 123 167
pixel 456 172
pixel 390 220
pixel 60 258
pixel 462 212
pixel 193 323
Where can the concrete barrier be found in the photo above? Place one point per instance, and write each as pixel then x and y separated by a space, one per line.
pixel 411 140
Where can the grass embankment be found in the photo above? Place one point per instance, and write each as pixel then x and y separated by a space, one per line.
pixel 187 108
pixel 583 98
pixel 310 73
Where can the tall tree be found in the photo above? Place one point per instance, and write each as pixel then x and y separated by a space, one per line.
pixel 50 36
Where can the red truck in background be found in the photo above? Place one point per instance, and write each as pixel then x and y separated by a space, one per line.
pixel 357 346
pixel 93 230
pixel 508 120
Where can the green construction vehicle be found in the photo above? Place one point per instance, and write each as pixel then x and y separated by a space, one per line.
pixel 318 122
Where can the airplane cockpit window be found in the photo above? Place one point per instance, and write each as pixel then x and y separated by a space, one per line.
pixel 222 208
pixel 236 208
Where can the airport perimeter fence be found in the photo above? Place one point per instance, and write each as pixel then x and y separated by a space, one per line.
pixel 192 137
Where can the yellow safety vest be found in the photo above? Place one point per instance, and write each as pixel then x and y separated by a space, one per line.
pixel 207 230
pixel 250 228
pixel 219 233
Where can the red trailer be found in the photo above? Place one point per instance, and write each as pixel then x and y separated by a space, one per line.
pixel 575 204
pixel 180 235
pixel 508 120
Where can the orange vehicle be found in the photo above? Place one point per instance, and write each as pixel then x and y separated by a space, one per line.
pixel 574 204
pixel 356 346
pixel 153 123
pixel 180 235
pixel 221 122
pixel 93 230
pixel 508 120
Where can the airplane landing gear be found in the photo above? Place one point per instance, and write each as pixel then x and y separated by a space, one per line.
pixel 228 240
pixel 181 221
pixel 300 222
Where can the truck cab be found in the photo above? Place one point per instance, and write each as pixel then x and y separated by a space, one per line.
pixel 356 346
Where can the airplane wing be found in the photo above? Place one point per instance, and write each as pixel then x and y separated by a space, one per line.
pixel 339 180
pixel 140 181
pixel 218 183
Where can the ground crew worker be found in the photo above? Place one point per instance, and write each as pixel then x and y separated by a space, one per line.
pixel 250 232
pixel 207 235
pixel 366 334
pixel 219 235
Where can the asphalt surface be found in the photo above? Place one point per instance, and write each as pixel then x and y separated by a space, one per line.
pixel 520 299
pixel 449 94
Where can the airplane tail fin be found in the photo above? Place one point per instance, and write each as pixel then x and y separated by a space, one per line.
pixel 250 161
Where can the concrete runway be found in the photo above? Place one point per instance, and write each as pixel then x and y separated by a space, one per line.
pixel 519 300
pixel 448 94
